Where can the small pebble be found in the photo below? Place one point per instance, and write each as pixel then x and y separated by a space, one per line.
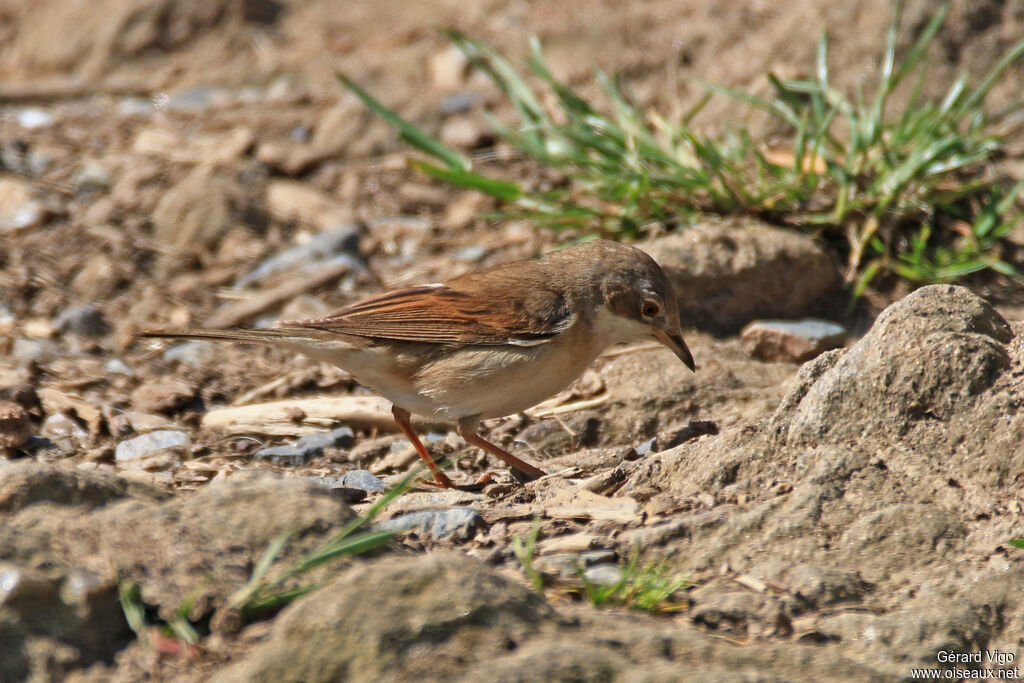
pixel 151 443
pixel 34 118
pixel 307 447
pixel 15 426
pixel 457 522
pixel 363 479
pixel 341 242
pixel 116 366
pixel 63 431
pixel 191 353
pixel 791 340
pixel 85 321
pixel 603 574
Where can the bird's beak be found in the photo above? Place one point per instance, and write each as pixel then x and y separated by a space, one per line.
pixel 674 341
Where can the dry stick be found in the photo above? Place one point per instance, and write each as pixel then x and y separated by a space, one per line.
pixel 287 418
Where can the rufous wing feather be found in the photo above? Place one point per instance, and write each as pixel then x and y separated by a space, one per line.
pixel 460 312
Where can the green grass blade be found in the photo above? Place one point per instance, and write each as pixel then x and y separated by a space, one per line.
pixel 408 132
pixel 505 191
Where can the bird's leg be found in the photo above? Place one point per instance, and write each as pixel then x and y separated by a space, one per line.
pixel 523 471
pixel 402 419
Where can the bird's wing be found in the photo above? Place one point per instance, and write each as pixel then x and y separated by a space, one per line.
pixel 447 314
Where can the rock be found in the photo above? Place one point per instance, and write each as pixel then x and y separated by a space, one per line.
pixel 85 321
pixel 162 396
pixel 603 574
pixel 466 133
pixel 791 341
pixel 448 68
pixel 423 606
pixel 459 103
pixel 202 546
pixel 457 522
pixel 15 426
pixel 153 443
pixel 194 212
pixel 459 213
pixel 116 366
pixel 564 567
pixel 877 387
pixel 335 129
pixel 65 432
pixel 363 479
pixel 290 201
pixel 727 273
pixel 91 176
pixel 25 483
pixel 339 241
pixel 193 353
pixel 69 605
pixel 97 277
pixel 32 118
pixel 38 328
pixel 287 156
pixel 38 350
pixel 308 447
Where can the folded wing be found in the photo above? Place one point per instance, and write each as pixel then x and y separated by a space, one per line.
pixel 443 314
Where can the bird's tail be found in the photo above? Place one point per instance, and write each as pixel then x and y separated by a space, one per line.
pixel 256 336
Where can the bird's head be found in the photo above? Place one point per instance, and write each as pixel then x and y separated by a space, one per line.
pixel 638 299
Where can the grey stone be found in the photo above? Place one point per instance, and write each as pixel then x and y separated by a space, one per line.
pixel 25 483
pixel 63 431
pixel 363 479
pixel 337 244
pixel 152 443
pixel 791 340
pixel 308 447
pixel 86 321
pixel 603 574
pixel 91 176
pixel 459 103
pixel 444 601
pixel 193 353
pixel 37 350
pixel 456 522
pixel 116 366
pixel 32 117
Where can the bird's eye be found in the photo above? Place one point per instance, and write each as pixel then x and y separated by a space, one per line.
pixel 650 308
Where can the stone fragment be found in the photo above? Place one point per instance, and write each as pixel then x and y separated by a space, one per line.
pixel 363 479
pixel 448 68
pixel 308 447
pixel 342 240
pixel 457 522
pixel 793 341
pixel 66 433
pixel 15 426
pixel 162 396
pixel 86 321
pixel 19 210
pixel 292 201
pixel 152 443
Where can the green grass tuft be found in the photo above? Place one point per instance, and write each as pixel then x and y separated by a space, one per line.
pixel 909 191
pixel 263 596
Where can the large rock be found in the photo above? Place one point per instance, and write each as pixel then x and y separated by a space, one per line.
pixel 887 465
pixel 937 373
pixel 727 273
pixel 407 618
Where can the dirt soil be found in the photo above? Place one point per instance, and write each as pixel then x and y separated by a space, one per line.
pixel 178 163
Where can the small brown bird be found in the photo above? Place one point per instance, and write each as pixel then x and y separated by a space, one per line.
pixel 489 343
